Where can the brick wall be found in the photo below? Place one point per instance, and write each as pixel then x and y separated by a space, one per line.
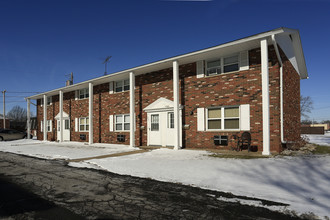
pixel 7 123
pixel 242 87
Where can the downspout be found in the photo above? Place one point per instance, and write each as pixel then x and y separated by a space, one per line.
pixel 281 85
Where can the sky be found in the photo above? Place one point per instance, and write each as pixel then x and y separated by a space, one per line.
pixel 43 41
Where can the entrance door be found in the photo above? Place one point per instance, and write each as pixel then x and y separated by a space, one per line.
pixel 66 131
pixel 154 132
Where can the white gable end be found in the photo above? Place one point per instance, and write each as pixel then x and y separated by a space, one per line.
pixel 161 104
pixel 286 45
pixel 65 115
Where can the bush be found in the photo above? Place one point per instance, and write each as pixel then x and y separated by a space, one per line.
pixel 301 142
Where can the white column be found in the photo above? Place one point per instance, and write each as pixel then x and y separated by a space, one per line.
pixel 28 122
pixel 265 97
pixel 45 118
pixel 176 105
pixel 132 109
pixel 90 85
pixel 61 115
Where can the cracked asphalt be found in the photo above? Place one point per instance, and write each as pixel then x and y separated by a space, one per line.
pixel 94 194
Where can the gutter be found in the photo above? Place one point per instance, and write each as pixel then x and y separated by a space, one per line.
pixel 281 85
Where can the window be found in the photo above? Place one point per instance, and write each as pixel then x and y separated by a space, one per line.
pixel 83 93
pixel 84 124
pixel 49 125
pixel 222 65
pixel 170 120
pixel 122 122
pixel 155 122
pixel 49 101
pixel 122 85
pixel 223 118
pixel 67 124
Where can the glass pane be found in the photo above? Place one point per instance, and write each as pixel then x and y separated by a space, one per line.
pixel 171 119
pixel 126 118
pixel 82 127
pixel 87 95
pixel 87 127
pixel 119 127
pixel 230 68
pixel 119 84
pixel 231 112
pixel 87 121
pixel 67 124
pixel 155 122
pixel 214 113
pixel 230 60
pixel 126 82
pixel 232 124
pixel 214 63
pixel 126 127
pixel 82 121
pixel 119 89
pixel 119 118
pixel 213 71
pixel 214 124
pixel 126 88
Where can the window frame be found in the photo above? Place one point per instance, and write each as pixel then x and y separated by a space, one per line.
pixel 122 123
pixel 122 86
pixel 49 101
pixel 48 125
pixel 170 120
pixel 84 92
pixel 223 118
pixel 85 125
pixel 222 65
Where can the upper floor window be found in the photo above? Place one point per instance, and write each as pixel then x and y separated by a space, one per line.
pixel 222 65
pixel 223 118
pixel 122 85
pixel 83 93
pixel 49 100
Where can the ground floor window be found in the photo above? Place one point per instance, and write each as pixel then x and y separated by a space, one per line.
pixel 223 118
pixel 84 124
pixel 122 122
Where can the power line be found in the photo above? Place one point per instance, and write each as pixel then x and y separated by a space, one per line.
pixel 22 92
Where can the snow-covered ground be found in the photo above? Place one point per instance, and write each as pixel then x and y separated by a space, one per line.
pixel 319 139
pixel 65 150
pixel 301 182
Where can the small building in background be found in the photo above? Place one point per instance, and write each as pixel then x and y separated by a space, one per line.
pixel 1 122
pixel 326 126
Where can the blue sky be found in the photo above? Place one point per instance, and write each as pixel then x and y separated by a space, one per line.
pixel 42 41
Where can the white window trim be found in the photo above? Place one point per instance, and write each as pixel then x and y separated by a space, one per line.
pixel 123 123
pixel 49 126
pixel 123 85
pixel 223 118
pixel 169 120
pixel 86 120
pixel 222 64
pixel 86 91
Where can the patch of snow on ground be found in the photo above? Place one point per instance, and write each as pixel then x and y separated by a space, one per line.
pixel 65 150
pixel 319 139
pixel 301 182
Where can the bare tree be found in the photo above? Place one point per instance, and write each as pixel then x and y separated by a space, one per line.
pixel 17 114
pixel 306 106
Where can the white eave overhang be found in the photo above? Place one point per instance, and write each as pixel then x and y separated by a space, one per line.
pixel 208 53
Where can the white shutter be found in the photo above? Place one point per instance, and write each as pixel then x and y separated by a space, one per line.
pixel 200 69
pixel 244 60
pixel 111 122
pixel 200 119
pixel 111 87
pixel 76 95
pixel 42 127
pixel 51 100
pixel 76 129
pixel 245 117
pixel 50 125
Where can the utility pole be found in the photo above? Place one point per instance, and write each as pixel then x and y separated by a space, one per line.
pixel 4 109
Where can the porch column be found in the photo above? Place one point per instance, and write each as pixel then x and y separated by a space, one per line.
pixel 28 122
pixel 61 115
pixel 176 105
pixel 265 97
pixel 90 115
pixel 45 118
pixel 132 109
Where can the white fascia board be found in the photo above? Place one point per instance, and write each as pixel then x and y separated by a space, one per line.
pixel 161 64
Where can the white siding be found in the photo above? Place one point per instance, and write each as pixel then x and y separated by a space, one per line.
pixel 111 87
pixel 200 69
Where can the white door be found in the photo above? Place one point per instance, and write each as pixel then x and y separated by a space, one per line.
pixel 169 129
pixel 154 132
pixel 66 131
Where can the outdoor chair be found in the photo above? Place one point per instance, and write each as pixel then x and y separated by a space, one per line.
pixel 242 142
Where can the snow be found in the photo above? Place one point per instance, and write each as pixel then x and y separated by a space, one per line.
pixel 301 182
pixel 319 139
pixel 65 150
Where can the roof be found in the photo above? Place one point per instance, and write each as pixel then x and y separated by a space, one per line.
pixel 294 50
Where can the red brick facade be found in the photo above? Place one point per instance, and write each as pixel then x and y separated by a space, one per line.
pixel 237 88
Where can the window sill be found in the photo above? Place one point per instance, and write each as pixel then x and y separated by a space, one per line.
pixel 229 130
pixel 222 74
